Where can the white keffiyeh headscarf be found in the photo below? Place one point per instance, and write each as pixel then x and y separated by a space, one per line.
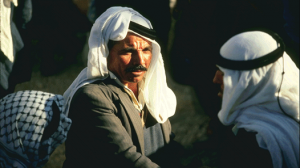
pixel 250 97
pixel 114 25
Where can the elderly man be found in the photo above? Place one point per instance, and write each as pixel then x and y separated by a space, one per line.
pixel 120 103
pixel 260 90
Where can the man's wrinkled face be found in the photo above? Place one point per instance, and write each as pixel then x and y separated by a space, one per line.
pixel 218 79
pixel 130 58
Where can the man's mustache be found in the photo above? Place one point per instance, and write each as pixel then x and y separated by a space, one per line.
pixel 136 68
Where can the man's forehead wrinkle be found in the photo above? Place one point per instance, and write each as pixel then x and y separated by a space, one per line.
pixel 140 44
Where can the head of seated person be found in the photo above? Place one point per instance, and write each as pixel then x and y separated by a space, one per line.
pixel 32 125
pixel 259 87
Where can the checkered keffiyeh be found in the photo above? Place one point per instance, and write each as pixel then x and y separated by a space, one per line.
pixel 32 125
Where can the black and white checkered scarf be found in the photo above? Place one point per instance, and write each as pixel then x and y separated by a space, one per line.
pixel 32 125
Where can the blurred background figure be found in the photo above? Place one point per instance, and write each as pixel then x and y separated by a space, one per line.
pixel 291 17
pixel 14 17
pixel 58 32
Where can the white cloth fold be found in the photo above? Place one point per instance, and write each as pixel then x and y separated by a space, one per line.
pixel 10 39
pixel 250 97
pixel 113 25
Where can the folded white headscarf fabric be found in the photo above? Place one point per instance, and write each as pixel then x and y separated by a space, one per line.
pixel 250 97
pixel 15 2
pixel 114 25
pixel 10 40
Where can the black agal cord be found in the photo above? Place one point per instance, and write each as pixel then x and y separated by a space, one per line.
pixel 256 63
pixel 150 33
pixel 259 62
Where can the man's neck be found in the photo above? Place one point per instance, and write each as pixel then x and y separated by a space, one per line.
pixel 134 88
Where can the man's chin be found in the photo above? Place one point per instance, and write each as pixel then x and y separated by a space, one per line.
pixel 135 79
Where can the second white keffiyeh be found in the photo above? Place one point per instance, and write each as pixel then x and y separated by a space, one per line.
pixel 250 97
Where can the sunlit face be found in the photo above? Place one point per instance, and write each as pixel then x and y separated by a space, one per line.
pixel 130 58
pixel 218 79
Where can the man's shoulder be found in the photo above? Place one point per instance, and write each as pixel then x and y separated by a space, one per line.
pixel 101 89
pixel 95 97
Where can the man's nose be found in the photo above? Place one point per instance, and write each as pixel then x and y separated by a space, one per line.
pixel 138 58
pixel 218 79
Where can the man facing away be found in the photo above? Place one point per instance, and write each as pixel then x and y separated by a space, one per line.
pixel 260 90
pixel 120 103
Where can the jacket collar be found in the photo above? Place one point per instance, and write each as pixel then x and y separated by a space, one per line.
pixel 131 111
